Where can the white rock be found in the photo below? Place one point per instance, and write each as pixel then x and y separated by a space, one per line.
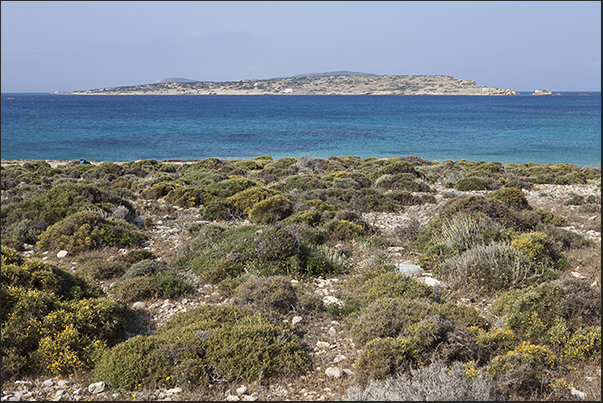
pixel 62 254
pixel 63 383
pixel 249 398
pixel 577 275
pixel 331 300
pixel 339 358
pixel 173 391
pixel 297 319
pixel 322 344
pixel 407 268
pixel 232 398
pixel 241 390
pixel 578 394
pixel 430 281
pixel 96 388
pixel 334 372
pixel 139 305
pixel 332 331
pixel 48 383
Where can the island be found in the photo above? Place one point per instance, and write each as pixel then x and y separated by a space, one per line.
pixel 332 83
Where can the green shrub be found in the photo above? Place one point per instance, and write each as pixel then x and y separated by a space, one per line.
pixel 232 186
pixel 135 256
pixel 511 197
pixel 88 230
pixel 342 229
pixel 272 293
pixel 470 183
pixel 220 210
pixel 523 370
pixel 395 285
pixel 309 217
pixel 188 196
pixel 54 322
pixel 158 190
pixel 246 199
pixel 100 268
pixel 135 289
pixel 532 311
pixel 59 202
pixel 271 210
pixel 207 343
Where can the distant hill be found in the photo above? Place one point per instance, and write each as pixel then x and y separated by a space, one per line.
pixel 174 80
pixel 334 73
pixel 329 83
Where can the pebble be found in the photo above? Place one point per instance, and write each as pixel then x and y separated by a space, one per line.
pixel 334 372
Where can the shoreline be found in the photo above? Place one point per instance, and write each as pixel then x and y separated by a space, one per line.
pixel 56 162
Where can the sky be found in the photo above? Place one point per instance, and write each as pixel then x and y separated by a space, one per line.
pixel 63 46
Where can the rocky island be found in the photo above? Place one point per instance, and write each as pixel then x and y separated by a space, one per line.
pixel 334 83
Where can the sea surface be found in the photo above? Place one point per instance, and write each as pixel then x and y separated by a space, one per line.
pixel 554 129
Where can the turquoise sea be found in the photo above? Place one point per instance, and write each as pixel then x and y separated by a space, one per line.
pixel 554 129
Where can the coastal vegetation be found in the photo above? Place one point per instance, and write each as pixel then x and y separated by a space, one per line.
pixel 266 256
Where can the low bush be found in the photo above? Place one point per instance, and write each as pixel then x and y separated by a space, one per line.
pixel 438 381
pixel 272 293
pixel 88 230
pixel 511 197
pixel 54 322
pixel 271 210
pixel 201 346
pixel 246 199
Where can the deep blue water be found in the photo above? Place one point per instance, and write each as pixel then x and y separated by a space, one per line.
pixel 524 128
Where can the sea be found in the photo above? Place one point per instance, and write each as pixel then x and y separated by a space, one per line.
pixel 564 128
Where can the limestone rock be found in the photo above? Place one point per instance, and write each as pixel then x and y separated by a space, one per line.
pixel 542 92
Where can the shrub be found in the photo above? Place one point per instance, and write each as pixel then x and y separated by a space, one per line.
pixel 435 382
pixel 537 249
pixel 246 199
pixel 88 230
pixel 135 289
pixel 135 256
pixel 220 210
pixel 395 285
pixel 101 269
pixel 342 229
pixel 275 243
pixel 383 357
pixel 511 197
pixel 188 196
pixel 273 293
pixel 309 217
pixel 532 311
pixel 470 183
pixel 523 370
pixel 158 190
pixel 492 267
pixel 202 345
pixel 271 210
pixel 145 267
pixel 54 322
pixel 232 186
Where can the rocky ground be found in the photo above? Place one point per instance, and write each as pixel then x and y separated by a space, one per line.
pixel 331 349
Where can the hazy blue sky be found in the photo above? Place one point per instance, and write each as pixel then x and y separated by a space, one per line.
pixel 74 45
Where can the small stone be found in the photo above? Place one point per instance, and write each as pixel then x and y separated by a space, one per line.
pixel 241 390
pixel 430 281
pixel 577 275
pixel 173 391
pixel 232 398
pixel 331 300
pixel 334 372
pixel 63 383
pixel 139 305
pixel 62 254
pixel 339 358
pixel 332 331
pixel 578 394
pixel 96 388
pixel 297 319
pixel 48 383
pixel 249 398
pixel 322 344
